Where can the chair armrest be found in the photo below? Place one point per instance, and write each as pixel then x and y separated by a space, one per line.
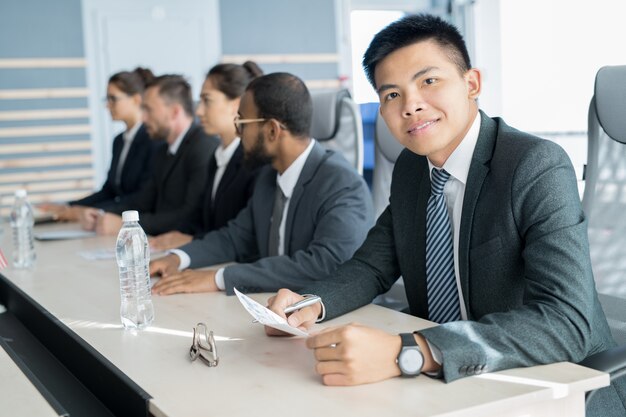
pixel 611 361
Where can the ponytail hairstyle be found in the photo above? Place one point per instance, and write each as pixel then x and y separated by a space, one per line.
pixel 132 82
pixel 232 79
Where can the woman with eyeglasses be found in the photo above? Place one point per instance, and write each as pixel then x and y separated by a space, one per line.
pixel 131 162
pixel 230 183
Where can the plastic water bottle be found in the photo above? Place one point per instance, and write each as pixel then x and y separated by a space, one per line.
pixel 133 260
pixel 22 222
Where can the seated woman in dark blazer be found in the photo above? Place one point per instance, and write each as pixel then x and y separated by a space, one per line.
pixel 133 149
pixel 230 183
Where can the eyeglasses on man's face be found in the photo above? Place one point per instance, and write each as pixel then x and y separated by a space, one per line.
pixel 239 123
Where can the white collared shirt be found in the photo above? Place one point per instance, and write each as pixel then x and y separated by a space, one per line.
pixel 287 182
pixel 458 165
pixel 128 137
pixel 222 158
pixel 173 148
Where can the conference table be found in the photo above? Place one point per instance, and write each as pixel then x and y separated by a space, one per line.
pixel 70 305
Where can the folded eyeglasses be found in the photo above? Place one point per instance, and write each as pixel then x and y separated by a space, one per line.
pixel 203 346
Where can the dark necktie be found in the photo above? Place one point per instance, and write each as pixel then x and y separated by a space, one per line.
pixel 443 298
pixel 277 216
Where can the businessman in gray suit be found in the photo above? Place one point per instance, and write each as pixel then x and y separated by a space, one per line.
pixel 484 223
pixel 308 213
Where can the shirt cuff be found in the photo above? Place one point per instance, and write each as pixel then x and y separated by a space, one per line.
pixel 185 260
pixel 219 279
pixel 437 357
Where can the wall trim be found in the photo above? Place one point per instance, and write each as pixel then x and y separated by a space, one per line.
pixel 9 132
pixel 44 114
pixel 33 93
pixel 282 58
pixel 42 63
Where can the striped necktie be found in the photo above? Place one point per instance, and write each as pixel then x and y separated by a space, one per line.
pixel 443 298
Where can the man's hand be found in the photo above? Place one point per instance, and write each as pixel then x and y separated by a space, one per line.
pixel 165 266
pixel 89 218
pixel 188 281
pixel 62 212
pixel 302 319
pixel 169 240
pixel 355 354
pixel 108 224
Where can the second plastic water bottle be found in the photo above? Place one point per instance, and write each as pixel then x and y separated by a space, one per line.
pixel 133 260
pixel 22 222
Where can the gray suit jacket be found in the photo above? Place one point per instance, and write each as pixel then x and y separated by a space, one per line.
pixel 523 256
pixel 328 217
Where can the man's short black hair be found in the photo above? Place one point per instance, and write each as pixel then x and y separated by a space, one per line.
pixel 412 29
pixel 174 89
pixel 284 97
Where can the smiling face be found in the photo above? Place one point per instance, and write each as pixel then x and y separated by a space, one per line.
pixel 426 102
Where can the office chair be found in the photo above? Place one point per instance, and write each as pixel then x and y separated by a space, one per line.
pixel 386 151
pixel 337 124
pixel 604 203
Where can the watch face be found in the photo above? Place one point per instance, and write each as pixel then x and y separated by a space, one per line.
pixel 410 361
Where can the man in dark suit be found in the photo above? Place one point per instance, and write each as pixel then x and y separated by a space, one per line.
pixel 176 188
pixel 309 212
pixel 484 224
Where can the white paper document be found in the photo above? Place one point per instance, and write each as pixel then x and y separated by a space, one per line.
pixel 266 316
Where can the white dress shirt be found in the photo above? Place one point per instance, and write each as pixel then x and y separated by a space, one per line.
pixel 173 148
pixel 222 158
pixel 127 137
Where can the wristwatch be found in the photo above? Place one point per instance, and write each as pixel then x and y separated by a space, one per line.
pixel 410 359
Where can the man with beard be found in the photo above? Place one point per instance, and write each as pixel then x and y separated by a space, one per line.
pixel 309 212
pixel 180 175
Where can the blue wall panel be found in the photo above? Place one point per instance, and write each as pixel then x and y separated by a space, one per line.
pixel 41 29
pixel 278 26
pixel 316 71
pixel 11 79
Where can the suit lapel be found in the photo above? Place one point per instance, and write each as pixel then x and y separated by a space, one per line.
pixel 416 204
pixel 118 144
pixel 479 168
pixel 132 151
pixel 208 202
pixel 315 158
pixel 172 161
pixel 230 172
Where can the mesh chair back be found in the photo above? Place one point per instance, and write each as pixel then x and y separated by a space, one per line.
pixel 337 124
pixel 604 198
pixel 386 151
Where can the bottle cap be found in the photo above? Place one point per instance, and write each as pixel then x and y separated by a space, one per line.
pixel 130 216
pixel 20 193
